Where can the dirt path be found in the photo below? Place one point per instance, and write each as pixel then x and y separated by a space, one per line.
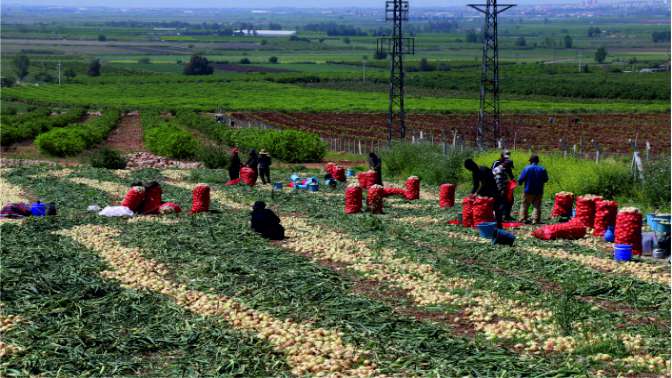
pixel 127 137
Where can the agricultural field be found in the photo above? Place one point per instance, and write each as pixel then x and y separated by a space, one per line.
pixel 360 295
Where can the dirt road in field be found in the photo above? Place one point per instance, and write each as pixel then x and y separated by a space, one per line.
pixel 127 137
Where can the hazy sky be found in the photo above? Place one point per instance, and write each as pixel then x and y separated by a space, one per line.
pixel 258 3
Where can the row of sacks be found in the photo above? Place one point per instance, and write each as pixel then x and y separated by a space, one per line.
pixel 376 194
pixel 147 200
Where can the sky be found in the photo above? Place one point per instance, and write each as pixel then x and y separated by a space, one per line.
pixel 258 3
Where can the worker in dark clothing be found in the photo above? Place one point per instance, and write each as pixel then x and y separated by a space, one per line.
pixel 265 167
pixel 234 165
pixel 375 164
pixel 505 156
pixel 484 185
pixel 253 161
pixel 265 222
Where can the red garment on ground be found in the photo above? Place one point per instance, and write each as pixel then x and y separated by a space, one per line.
pixel 353 199
pixel 169 208
pixel 605 216
pixel 483 210
pixel 388 192
pixel 374 199
pixel 233 182
pixel 629 229
pixel 467 215
pixel 248 176
pixel 200 199
pixel 366 179
pixel 447 195
pixel 413 188
pixel 330 168
pixel 563 204
pixel 134 198
pixel 152 200
pixel 570 230
pixel 585 210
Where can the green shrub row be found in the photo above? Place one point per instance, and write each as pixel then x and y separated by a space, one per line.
pixel 291 146
pixel 166 138
pixel 27 126
pixel 76 138
pixel 426 161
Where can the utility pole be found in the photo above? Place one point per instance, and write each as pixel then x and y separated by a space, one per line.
pixel 488 128
pixel 397 46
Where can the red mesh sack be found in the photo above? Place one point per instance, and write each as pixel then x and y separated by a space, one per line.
pixel 605 216
pixel 483 210
pixel 563 204
pixel 413 188
pixel 570 230
pixel 467 214
pixel 330 168
pixel 339 174
pixel 389 192
pixel 447 195
pixel 233 182
pixel 152 200
pixel 510 189
pixel 366 179
pixel 629 229
pixel 585 210
pixel 169 208
pixel 201 198
pixel 133 198
pixel 248 176
pixel 353 199
pixel 374 200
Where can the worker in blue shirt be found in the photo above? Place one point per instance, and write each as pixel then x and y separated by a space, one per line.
pixel 534 176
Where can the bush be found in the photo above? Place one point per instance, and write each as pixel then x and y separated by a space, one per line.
pixel 426 161
pixel 213 157
pixel 655 190
pixel 610 181
pixel 166 138
pixel 31 124
pixel 76 138
pixel 108 158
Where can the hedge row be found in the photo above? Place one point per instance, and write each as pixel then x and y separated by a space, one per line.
pixel 166 138
pixel 27 126
pixel 76 138
pixel 291 146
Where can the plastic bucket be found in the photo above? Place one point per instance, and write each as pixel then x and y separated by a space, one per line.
pixel 349 172
pixel 277 186
pixel 487 229
pixel 38 209
pixel 313 187
pixel 622 252
pixel 503 237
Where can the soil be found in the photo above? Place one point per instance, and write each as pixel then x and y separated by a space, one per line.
pixel 127 137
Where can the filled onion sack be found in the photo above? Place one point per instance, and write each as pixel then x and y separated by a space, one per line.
pixel 152 199
pixel 339 174
pixel 467 215
pixel 169 208
pixel 200 199
pixel 563 204
pixel 569 230
pixel 389 192
pixel 483 210
pixel 374 200
pixel 605 216
pixel 413 188
pixel 447 195
pixel 366 179
pixel 133 198
pixel 629 229
pixel 585 209
pixel 248 176
pixel 353 199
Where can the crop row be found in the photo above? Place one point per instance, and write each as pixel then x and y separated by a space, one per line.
pixel 73 139
pixel 611 132
pixel 26 126
pixel 164 136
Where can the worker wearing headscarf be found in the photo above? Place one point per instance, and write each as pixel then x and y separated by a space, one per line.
pixel 234 165
pixel 375 164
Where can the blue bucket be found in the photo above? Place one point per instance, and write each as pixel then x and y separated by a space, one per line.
pixel 38 209
pixel 503 237
pixel 313 187
pixel 294 177
pixel 349 172
pixel 622 252
pixel 487 229
pixel 277 185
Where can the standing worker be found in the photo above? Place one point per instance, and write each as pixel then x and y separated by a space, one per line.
pixel 504 156
pixel 534 177
pixel 376 165
pixel 265 167
pixel 484 185
pixel 503 176
pixel 234 165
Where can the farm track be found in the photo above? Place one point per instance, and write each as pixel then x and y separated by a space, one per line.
pixel 542 132
pixel 127 137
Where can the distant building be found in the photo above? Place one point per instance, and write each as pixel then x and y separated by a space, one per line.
pixel 266 33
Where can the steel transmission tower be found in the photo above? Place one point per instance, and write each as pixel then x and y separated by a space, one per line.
pixel 397 46
pixel 488 128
